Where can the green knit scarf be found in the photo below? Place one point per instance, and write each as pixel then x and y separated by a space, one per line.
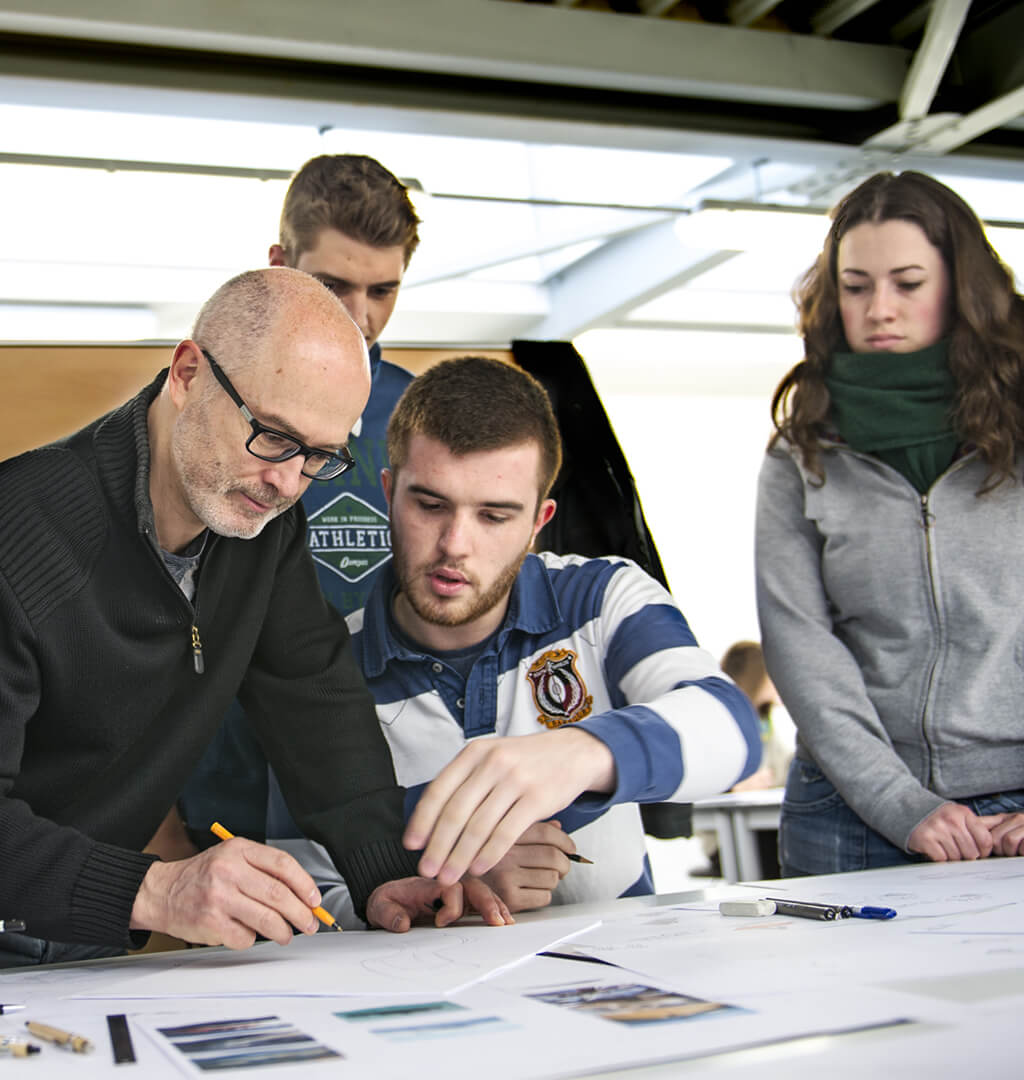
pixel 896 406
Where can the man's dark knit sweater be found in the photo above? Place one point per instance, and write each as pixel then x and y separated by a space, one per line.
pixel 105 707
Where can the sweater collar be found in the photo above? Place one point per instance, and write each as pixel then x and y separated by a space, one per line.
pixel 121 445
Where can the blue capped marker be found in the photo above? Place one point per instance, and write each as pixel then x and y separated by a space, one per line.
pixel 869 912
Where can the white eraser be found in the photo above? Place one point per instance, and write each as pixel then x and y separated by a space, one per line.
pixel 747 907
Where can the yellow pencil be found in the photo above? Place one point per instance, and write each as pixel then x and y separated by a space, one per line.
pixel 321 913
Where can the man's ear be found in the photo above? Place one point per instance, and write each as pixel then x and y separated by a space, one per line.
pixel 545 513
pixel 386 480
pixel 276 256
pixel 184 368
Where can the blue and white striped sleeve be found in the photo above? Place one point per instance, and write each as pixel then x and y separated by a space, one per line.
pixel 679 728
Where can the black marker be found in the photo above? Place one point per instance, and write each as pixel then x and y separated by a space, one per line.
pixel 805 909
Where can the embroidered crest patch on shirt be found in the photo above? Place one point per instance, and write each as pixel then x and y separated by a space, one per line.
pixel 558 690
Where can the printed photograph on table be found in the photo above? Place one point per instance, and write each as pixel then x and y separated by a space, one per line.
pixel 246 1043
pixel 392 1012
pixel 633 1003
pixel 436 1020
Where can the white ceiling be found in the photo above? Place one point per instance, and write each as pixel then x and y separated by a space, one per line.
pixel 137 179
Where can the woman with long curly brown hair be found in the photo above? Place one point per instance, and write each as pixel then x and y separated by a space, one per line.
pixel 890 523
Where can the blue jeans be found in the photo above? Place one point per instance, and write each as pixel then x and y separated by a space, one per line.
pixel 820 834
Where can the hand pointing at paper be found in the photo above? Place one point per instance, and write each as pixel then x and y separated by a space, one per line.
pixel 494 790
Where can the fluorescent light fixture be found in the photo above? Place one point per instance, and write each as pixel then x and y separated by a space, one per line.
pixel 43 131
pixel 766 228
pixel 738 226
pixel 724 307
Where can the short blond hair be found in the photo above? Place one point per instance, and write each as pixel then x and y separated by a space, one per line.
pixel 352 193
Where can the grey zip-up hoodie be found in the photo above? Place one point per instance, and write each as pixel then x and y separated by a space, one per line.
pixel 893 628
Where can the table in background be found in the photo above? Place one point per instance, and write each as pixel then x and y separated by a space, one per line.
pixel 735 817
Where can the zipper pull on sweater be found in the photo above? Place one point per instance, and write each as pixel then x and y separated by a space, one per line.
pixel 197 650
pixel 926 515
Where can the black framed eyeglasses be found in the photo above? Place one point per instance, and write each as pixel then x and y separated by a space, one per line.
pixel 270 445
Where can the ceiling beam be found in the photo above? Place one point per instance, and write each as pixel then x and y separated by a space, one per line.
pixel 913 21
pixel 989 58
pixel 610 282
pixel 499 41
pixel 656 7
pixel 963 129
pixel 745 12
pixel 941 32
pixel 838 13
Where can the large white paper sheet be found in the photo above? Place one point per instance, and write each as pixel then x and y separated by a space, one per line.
pixel 976 908
pixel 50 983
pixel 424 960
pixel 744 998
pixel 503 1035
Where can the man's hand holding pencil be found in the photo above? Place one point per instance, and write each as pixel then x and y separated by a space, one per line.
pixel 240 890
pixel 229 894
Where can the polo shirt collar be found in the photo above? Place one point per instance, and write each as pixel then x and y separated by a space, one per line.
pixel 532 609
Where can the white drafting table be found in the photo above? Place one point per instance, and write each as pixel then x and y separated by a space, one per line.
pixel 964 1008
pixel 735 817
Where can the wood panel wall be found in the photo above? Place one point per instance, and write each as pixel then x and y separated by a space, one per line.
pixel 52 390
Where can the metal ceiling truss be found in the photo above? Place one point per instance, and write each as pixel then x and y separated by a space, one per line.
pixel 849 107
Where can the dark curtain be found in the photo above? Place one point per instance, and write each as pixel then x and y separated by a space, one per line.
pixel 599 511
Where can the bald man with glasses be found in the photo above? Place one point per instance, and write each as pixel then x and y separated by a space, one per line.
pixel 166 573
pixel 349 222
pixel 278 446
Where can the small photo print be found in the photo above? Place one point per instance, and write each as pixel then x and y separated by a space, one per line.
pixel 449 1029
pixel 420 1021
pixel 631 1003
pixel 405 1010
pixel 247 1043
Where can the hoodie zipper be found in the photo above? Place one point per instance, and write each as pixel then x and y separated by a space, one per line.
pixel 926 515
pixel 927 521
